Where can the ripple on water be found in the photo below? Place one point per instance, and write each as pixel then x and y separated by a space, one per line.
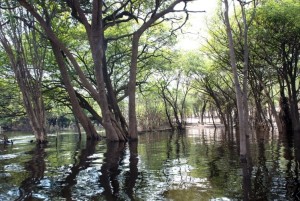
pixel 8 156
pixel 7 193
pixel 14 168
pixel 3 175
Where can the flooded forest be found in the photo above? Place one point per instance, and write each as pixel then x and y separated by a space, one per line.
pixel 149 100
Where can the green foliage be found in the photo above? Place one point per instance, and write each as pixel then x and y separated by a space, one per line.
pixel 278 20
pixel 11 108
pixel 275 41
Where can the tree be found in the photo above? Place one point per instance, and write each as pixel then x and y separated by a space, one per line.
pixel 97 18
pixel 10 99
pixel 27 61
pixel 241 89
pixel 173 85
pixel 276 36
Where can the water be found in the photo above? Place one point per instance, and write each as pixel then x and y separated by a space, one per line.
pixel 201 164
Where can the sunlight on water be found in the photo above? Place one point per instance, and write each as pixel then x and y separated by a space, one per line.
pixel 200 164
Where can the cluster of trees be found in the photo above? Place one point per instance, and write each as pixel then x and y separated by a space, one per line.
pixel 254 54
pixel 90 52
pixel 115 62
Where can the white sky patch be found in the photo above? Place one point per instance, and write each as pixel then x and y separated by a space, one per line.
pixel 196 27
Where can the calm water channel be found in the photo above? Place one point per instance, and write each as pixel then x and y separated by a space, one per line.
pixel 201 164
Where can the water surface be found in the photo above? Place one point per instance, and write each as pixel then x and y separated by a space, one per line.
pixel 200 164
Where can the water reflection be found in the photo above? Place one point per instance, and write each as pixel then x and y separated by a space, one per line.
pixel 81 162
pixel 132 175
pixel 201 164
pixel 262 178
pixel 291 154
pixel 110 169
pixel 35 168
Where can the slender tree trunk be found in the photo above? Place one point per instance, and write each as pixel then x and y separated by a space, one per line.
pixel 168 114
pixel 245 75
pixel 78 127
pixel 203 111
pixel 77 110
pixel 132 128
pixel 294 108
pixel 213 120
pixel 273 110
pixel 241 97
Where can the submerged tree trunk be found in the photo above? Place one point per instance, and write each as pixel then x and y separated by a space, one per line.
pixel 272 106
pixel 290 73
pixel 111 97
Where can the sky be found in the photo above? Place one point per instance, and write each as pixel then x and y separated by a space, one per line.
pixel 196 27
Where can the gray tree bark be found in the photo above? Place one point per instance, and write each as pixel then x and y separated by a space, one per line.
pixel 241 93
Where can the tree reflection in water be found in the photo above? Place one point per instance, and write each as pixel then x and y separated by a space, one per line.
pixel 246 169
pixel 262 177
pixel 79 165
pixel 200 165
pixel 132 175
pixel 110 169
pixel 258 178
pixel 297 165
pixel 291 154
pixel 36 168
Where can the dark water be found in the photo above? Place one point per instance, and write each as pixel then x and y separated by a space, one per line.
pixel 197 165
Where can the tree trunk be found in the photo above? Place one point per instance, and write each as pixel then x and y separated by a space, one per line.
pixel 132 129
pixel 77 110
pixel 96 39
pixel 203 112
pixel 112 99
pixel 241 97
pixel 273 108
pixel 294 109
pixel 95 32
pixel 284 114
pixel 30 86
pixel 168 115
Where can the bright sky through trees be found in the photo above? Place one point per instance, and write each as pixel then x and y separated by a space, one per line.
pixel 197 25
